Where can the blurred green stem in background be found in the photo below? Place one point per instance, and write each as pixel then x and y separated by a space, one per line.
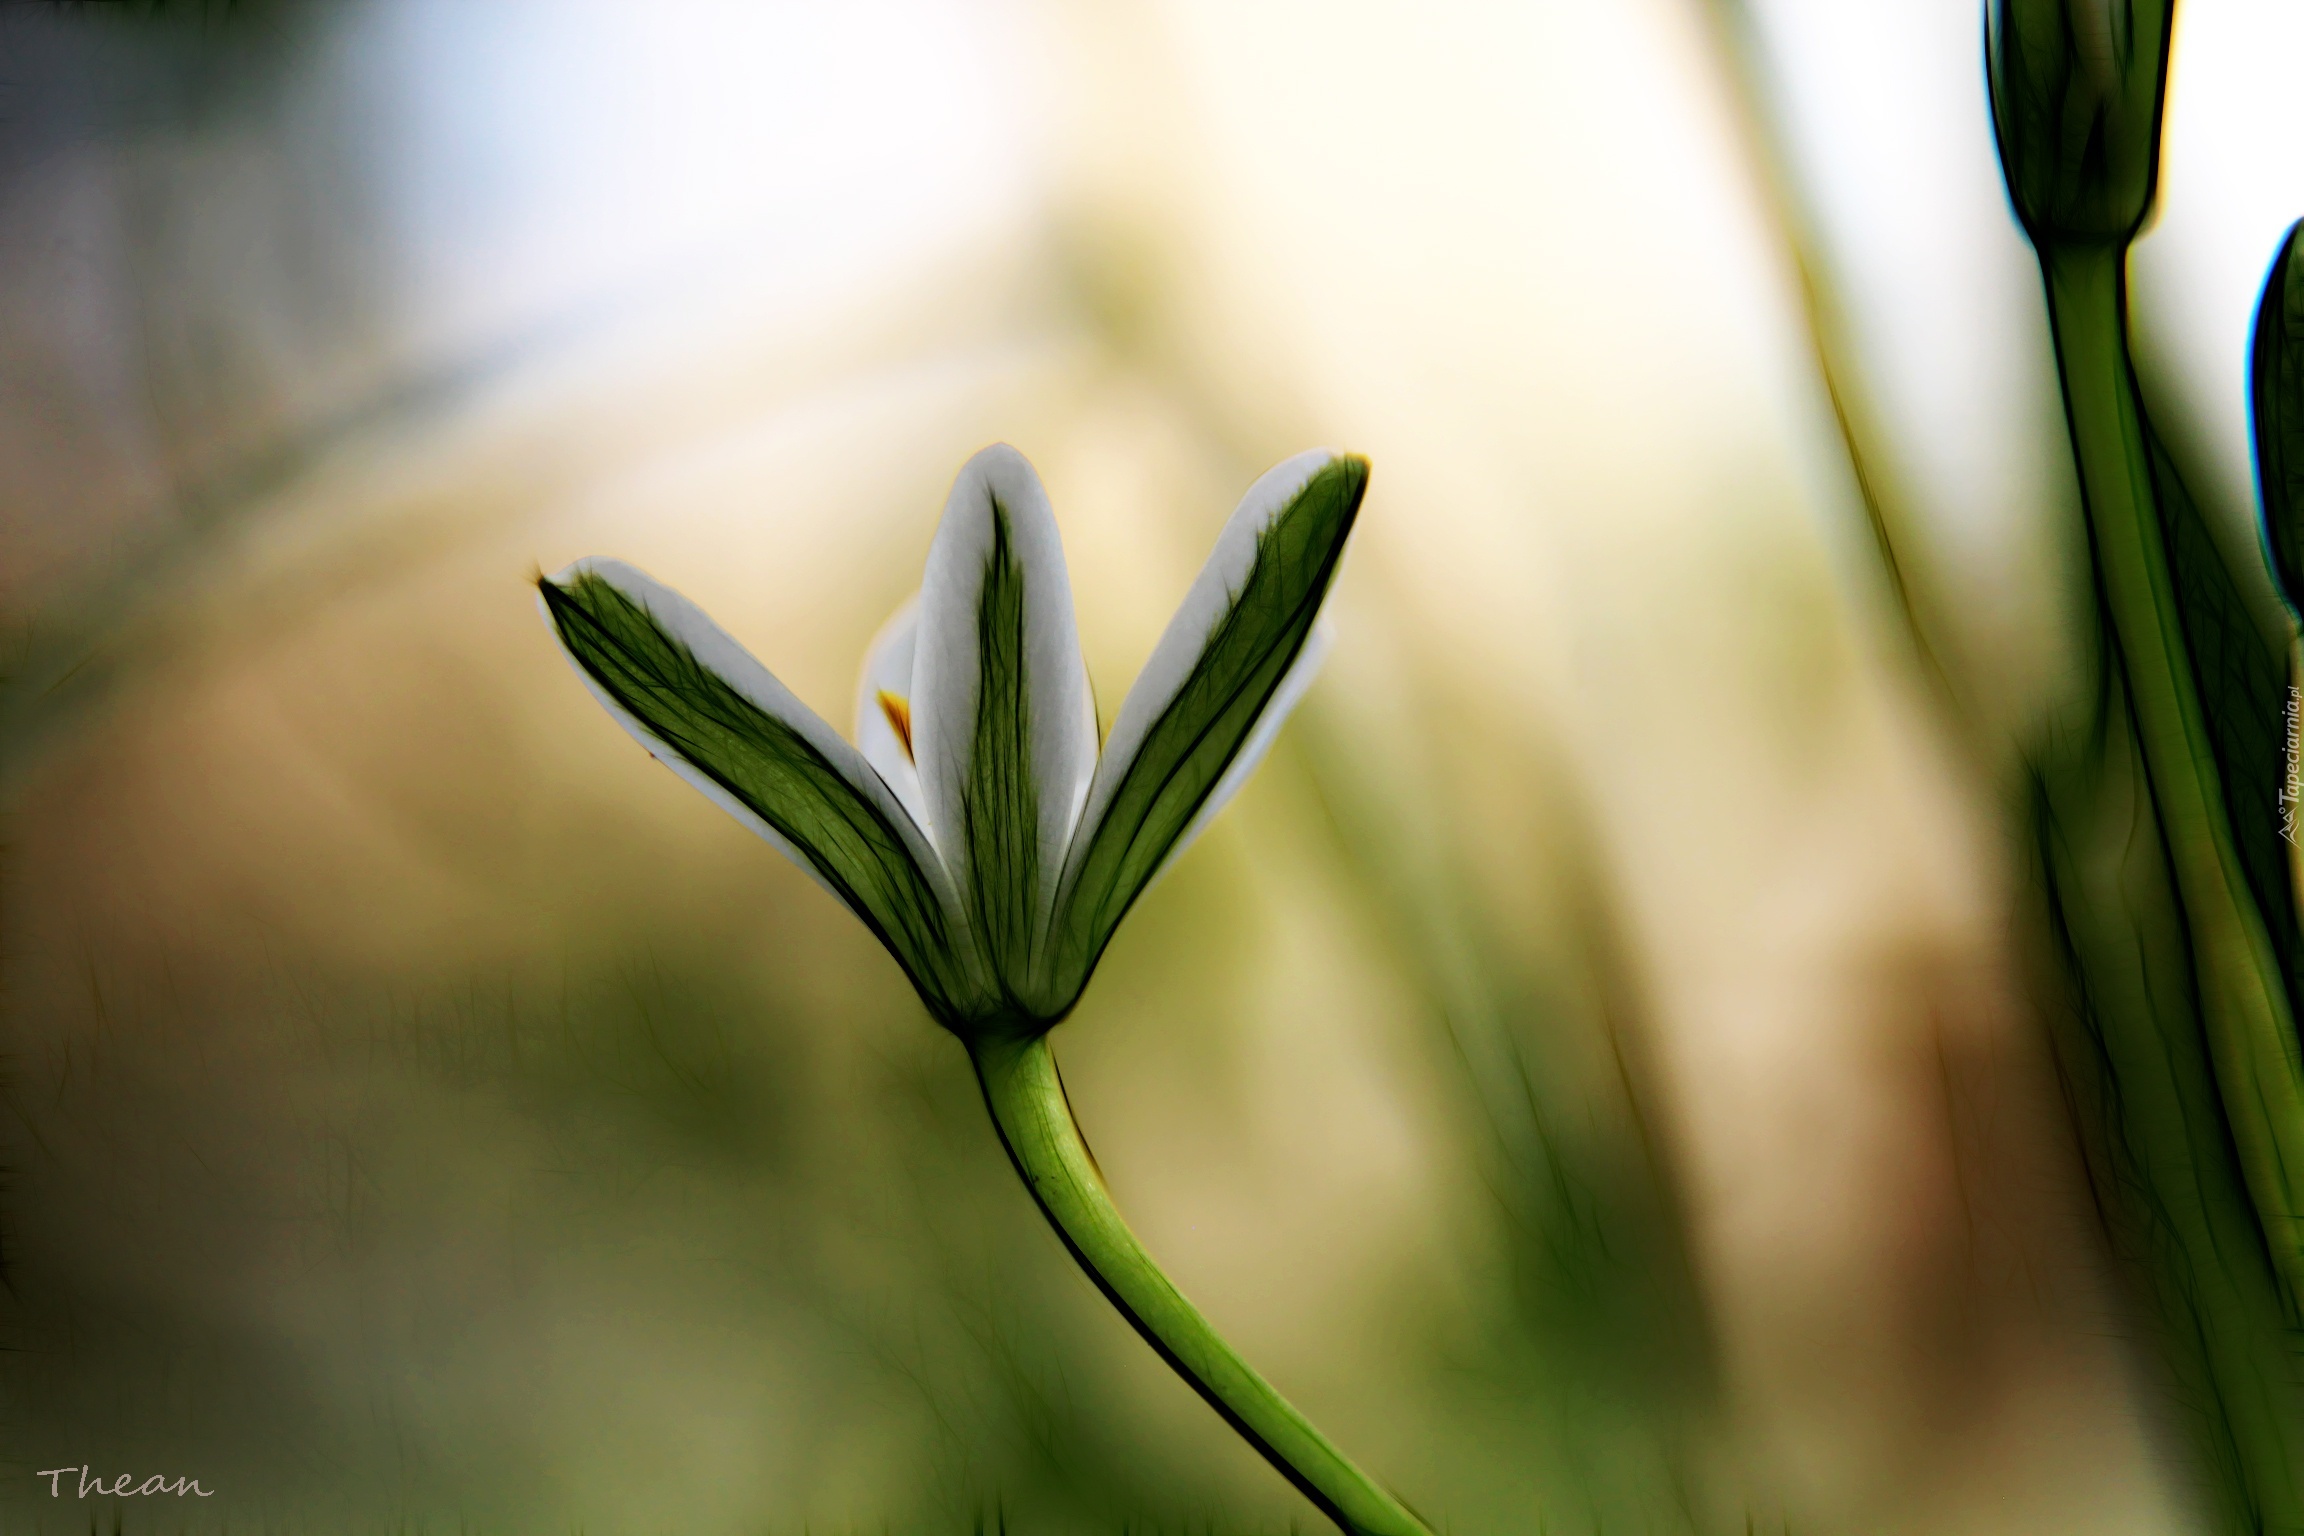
pixel 2156 820
pixel 1908 567
pixel 2155 807
pixel 2243 998
pixel 1028 1104
pixel 2153 1129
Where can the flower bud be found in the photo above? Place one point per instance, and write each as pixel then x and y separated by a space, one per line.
pixel 2076 93
pixel 2277 397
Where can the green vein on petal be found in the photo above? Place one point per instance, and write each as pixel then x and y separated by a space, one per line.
pixel 1143 805
pixel 766 764
pixel 1000 804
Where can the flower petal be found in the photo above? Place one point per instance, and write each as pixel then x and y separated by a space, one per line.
pixel 1227 665
pixel 1003 727
pixel 705 709
pixel 1252 752
pixel 883 710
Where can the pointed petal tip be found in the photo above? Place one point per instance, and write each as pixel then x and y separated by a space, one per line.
pixel 1302 466
pixel 557 596
pixel 1318 458
pixel 997 453
pixel 1353 464
pixel 1278 487
pixel 555 589
pixel 1298 468
pixel 615 572
pixel 1003 471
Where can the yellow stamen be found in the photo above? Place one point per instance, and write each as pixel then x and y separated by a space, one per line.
pixel 899 713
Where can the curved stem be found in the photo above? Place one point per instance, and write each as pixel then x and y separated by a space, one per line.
pixel 1026 1097
pixel 2243 1000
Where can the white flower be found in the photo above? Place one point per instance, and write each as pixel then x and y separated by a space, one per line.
pixel 974 826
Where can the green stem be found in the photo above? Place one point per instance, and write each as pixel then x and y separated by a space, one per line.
pixel 1027 1101
pixel 2136 1068
pixel 2243 1000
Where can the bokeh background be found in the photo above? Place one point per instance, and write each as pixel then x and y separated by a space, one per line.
pixel 1595 1069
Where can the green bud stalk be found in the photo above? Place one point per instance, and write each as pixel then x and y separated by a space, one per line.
pixel 2244 1001
pixel 2172 901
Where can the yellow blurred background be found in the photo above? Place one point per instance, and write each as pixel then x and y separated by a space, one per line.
pixel 1594 1069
